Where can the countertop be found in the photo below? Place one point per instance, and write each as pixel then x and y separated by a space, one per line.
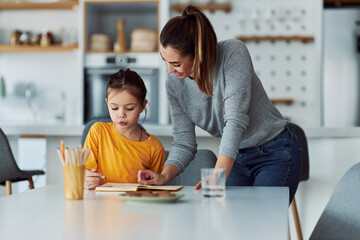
pixel 165 131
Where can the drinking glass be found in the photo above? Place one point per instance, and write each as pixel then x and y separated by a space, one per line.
pixel 213 182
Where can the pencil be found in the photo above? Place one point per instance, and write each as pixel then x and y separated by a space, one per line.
pixel 61 157
pixel 68 157
pixel 62 148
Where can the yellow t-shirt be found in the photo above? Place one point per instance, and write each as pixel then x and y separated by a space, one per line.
pixel 119 158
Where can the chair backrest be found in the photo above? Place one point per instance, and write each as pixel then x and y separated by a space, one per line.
pixel 191 175
pixel 341 217
pixel 300 134
pixel 8 166
pixel 90 123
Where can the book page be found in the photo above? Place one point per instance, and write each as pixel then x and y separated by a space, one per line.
pixel 118 187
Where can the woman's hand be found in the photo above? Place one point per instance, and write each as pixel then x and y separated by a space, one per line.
pixel 149 177
pixel 197 186
pixel 92 179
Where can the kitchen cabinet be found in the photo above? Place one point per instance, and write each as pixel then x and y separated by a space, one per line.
pixel 33 6
pixel 101 17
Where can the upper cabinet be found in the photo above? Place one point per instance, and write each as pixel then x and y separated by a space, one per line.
pixel 12 27
pixel 121 26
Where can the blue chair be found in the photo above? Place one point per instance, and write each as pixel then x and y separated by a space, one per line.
pixel 304 176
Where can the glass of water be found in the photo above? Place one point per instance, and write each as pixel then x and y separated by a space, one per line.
pixel 213 182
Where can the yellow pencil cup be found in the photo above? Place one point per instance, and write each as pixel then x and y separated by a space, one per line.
pixel 74 182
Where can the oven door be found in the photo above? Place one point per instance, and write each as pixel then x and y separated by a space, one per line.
pixel 94 95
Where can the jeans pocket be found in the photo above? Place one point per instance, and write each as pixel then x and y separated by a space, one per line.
pixel 274 145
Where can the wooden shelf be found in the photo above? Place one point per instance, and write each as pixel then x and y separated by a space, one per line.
pixel 287 101
pixel 211 7
pixel 113 52
pixel 53 48
pixel 304 39
pixel 121 1
pixel 38 5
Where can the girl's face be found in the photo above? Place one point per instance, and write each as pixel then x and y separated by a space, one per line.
pixel 180 66
pixel 124 108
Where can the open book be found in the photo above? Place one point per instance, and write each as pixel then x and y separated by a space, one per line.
pixel 133 187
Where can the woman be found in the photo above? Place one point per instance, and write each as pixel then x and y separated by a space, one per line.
pixel 214 86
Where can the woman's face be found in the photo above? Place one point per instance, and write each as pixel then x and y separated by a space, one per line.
pixel 180 66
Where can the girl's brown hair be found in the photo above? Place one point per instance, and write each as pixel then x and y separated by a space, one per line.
pixel 192 34
pixel 127 80
pixel 130 81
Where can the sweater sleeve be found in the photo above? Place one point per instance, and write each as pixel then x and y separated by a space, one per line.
pixel 238 76
pixel 92 142
pixel 184 145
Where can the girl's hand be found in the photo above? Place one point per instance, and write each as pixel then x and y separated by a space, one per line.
pixel 92 179
pixel 197 186
pixel 149 177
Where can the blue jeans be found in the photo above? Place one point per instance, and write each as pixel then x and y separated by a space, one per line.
pixel 275 163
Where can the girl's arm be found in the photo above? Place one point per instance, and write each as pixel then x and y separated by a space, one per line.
pixel 92 177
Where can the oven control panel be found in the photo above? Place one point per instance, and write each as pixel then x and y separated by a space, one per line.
pixel 129 60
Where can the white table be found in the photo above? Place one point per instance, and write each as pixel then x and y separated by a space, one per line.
pixel 245 213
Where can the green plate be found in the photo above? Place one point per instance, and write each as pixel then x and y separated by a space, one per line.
pixel 135 199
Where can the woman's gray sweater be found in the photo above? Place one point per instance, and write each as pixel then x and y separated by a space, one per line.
pixel 239 111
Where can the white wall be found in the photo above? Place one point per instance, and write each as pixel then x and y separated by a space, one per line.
pixel 341 68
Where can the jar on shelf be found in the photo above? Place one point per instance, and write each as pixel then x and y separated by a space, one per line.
pixel 15 38
pixel 25 38
pixel 35 39
pixel 47 38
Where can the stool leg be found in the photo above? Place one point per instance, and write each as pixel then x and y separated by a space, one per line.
pixel 296 219
pixel 31 183
pixel 8 187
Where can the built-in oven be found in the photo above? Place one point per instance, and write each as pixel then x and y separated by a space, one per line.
pixel 98 67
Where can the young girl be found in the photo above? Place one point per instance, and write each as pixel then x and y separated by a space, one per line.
pixel 121 148
pixel 213 85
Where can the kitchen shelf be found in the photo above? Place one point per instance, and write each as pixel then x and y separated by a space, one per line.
pixel 211 7
pixel 53 48
pixel 121 1
pixel 38 5
pixel 287 101
pixel 303 39
pixel 113 52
